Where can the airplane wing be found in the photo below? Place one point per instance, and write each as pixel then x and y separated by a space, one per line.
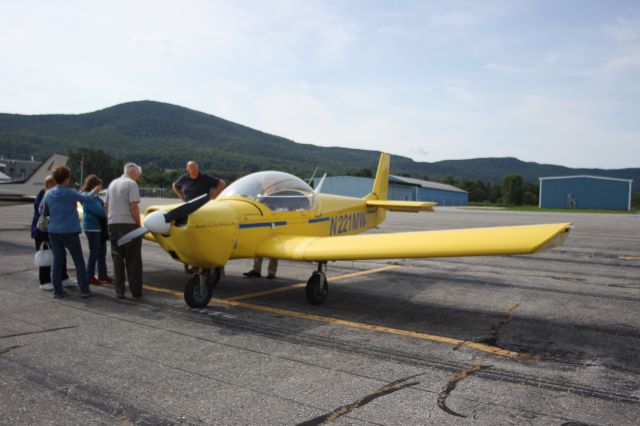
pixel 16 198
pixel 502 240
pixel 403 206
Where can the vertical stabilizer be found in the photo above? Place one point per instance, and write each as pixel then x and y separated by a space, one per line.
pixel 381 182
pixel 34 183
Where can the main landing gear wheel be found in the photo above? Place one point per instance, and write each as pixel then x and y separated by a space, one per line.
pixel 317 286
pixel 199 288
pixel 214 276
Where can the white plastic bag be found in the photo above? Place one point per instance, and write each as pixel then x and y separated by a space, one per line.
pixel 43 258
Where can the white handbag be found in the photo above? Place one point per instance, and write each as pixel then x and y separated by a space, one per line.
pixel 43 258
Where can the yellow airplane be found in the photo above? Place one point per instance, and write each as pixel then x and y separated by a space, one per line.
pixel 277 215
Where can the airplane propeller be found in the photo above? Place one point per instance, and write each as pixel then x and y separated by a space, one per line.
pixel 159 222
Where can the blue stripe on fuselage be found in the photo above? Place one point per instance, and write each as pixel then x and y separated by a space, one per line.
pixel 262 224
pixel 320 219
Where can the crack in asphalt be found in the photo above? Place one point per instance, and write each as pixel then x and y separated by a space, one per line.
pixel 451 385
pixel 46 330
pixel 94 397
pixel 214 379
pixel 10 348
pixel 376 352
pixel 6 274
pixel 125 420
pixel 347 408
pixel 492 338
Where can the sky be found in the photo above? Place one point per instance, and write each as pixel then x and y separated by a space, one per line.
pixel 553 82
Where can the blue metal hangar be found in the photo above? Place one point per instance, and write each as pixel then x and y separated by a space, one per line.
pixel 400 188
pixel 585 192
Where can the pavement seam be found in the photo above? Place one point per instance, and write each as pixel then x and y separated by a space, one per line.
pixel 387 389
pixel 453 382
pixel 47 330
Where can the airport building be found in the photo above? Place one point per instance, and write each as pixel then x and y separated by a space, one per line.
pixel 400 188
pixel 585 192
pixel 17 169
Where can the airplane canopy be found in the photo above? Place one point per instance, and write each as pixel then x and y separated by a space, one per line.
pixel 277 190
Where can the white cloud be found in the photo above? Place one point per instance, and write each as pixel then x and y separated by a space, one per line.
pixel 431 81
pixel 625 62
pixel 624 30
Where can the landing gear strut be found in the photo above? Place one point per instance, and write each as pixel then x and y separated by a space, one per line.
pixel 317 286
pixel 199 288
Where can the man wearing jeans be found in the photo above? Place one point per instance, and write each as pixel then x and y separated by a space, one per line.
pixel 123 215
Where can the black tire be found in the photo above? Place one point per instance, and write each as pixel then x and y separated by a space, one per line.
pixel 193 294
pixel 214 276
pixel 317 288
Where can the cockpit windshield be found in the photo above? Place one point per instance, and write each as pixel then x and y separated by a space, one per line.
pixel 277 190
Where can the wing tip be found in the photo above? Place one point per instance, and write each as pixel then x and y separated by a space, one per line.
pixel 557 239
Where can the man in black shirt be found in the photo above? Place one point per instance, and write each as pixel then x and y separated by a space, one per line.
pixel 193 184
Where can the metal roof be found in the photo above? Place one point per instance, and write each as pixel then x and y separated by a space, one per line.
pixel 585 176
pixel 425 183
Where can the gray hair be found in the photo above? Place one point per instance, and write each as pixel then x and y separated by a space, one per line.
pixel 129 167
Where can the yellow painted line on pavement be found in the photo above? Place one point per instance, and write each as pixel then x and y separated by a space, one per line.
pixel 302 285
pixel 163 290
pixel 389 330
pixel 361 326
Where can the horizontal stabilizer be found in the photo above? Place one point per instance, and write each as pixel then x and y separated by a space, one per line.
pixel 402 206
pixel 494 241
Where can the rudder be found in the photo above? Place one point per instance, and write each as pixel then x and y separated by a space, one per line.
pixel 380 189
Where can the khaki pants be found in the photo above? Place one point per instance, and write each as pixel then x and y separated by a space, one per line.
pixel 271 270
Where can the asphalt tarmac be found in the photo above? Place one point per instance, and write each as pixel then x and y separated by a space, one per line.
pixel 551 338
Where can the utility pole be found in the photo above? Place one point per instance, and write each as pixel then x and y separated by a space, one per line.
pixel 81 170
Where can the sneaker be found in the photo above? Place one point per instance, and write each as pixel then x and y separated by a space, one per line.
pixel 120 296
pixel 46 286
pixel 252 274
pixel 271 276
pixel 106 279
pixel 94 281
pixel 86 295
pixel 69 283
pixel 59 295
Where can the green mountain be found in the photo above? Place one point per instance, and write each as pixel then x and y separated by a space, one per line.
pixel 165 135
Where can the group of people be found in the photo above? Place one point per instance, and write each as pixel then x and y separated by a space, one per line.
pixel 57 203
pixel 104 221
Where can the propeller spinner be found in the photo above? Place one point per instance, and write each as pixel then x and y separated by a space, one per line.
pixel 159 222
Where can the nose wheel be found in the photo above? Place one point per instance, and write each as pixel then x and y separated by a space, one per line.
pixel 199 288
pixel 318 286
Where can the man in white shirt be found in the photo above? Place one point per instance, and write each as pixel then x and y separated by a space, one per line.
pixel 123 216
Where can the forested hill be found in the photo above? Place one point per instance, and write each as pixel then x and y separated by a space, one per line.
pixel 154 133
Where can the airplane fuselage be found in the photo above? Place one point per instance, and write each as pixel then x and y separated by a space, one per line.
pixel 234 227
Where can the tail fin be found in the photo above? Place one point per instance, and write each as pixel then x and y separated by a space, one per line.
pixel 35 181
pixel 381 183
pixel 37 177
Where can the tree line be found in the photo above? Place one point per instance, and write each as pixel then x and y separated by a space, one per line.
pixel 85 161
pixel 513 190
